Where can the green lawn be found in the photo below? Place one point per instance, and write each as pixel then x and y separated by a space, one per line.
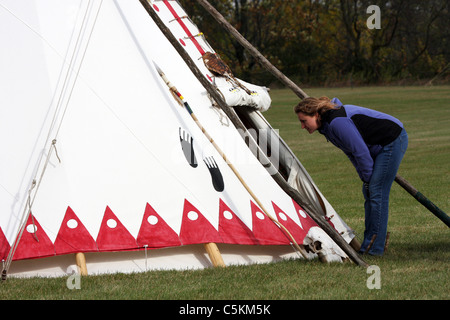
pixel 416 265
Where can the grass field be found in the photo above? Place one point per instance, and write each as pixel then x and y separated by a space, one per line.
pixel 416 265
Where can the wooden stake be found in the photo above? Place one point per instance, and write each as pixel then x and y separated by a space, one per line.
pixel 214 254
pixel 371 243
pixel 81 263
pixel 386 244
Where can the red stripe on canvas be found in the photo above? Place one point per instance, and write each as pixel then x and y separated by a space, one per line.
pixel 185 28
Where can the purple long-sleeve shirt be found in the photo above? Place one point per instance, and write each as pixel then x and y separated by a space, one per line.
pixel 360 132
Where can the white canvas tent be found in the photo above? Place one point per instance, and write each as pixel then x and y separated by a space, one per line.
pixel 98 157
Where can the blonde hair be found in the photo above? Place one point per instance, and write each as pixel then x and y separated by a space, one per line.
pixel 310 106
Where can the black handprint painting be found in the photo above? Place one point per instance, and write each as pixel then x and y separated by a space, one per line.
pixel 216 176
pixel 188 147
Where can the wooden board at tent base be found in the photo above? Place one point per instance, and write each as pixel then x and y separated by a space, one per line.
pixel 81 263
pixel 192 256
pixel 211 248
pixel 214 254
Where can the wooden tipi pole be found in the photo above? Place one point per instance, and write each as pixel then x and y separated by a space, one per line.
pixel 214 254
pixel 423 200
pixel 81 263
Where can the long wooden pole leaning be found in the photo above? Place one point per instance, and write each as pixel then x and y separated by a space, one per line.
pixel 172 88
pixel 423 200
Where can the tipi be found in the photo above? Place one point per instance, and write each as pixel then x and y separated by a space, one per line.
pixel 100 158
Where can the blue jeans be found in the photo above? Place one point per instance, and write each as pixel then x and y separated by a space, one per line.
pixel 376 197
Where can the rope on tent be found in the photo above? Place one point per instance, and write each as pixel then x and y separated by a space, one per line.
pixel 65 88
pixel 24 218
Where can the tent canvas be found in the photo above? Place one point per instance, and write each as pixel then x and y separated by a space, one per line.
pixel 98 156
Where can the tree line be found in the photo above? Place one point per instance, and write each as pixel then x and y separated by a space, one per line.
pixel 328 42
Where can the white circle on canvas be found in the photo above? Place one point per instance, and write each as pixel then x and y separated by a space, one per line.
pixel 192 215
pixel 111 223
